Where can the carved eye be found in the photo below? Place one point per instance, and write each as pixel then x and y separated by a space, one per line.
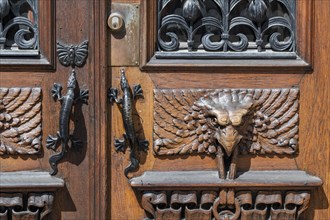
pixel 236 120
pixel 214 121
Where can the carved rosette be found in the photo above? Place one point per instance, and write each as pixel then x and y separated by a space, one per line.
pixel 226 25
pixel 30 206
pixel 225 204
pixel 20 120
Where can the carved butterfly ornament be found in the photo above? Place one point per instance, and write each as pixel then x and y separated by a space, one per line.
pixel 71 55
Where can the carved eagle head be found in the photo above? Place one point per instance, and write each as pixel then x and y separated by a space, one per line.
pixel 226 108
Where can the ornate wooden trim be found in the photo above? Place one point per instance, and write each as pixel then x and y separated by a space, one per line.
pixel 226 122
pixel 27 194
pixel 202 195
pixel 285 179
pixel 20 120
pixel 304 13
pixel 225 204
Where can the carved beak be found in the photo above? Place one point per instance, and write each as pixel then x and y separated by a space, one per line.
pixel 228 138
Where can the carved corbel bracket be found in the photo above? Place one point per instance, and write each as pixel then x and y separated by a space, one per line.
pixel 202 195
pixel 27 194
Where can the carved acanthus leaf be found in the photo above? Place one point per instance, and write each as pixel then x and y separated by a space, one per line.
pixel 20 120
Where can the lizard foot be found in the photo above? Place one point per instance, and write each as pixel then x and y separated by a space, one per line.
pixel 120 145
pixel 56 91
pixel 51 141
pixel 143 145
pixel 83 96
pixel 137 91
pixel 112 94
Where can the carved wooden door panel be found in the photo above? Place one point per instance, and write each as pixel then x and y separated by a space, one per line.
pixel 218 109
pixel 50 146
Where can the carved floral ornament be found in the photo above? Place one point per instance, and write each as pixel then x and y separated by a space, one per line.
pixel 226 25
pixel 18 25
pixel 226 122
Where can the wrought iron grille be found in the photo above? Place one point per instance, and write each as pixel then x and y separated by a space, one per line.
pixel 226 28
pixel 19 28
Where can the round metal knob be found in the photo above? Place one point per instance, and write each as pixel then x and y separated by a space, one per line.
pixel 116 21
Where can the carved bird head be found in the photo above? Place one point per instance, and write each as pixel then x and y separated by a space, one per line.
pixel 227 107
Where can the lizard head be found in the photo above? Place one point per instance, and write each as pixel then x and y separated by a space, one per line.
pixel 123 80
pixel 72 80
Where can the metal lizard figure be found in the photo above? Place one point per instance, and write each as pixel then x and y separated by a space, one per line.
pixel 130 138
pixel 63 135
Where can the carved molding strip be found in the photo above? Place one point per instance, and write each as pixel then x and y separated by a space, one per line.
pixel 224 26
pixel 19 27
pixel 20 120
pixel 226 204
pixel 20 206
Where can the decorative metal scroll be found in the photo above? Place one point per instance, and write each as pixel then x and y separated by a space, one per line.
pixel 226 122
pixel 225 204
pixel 234 28
pixel 20 120
pixel 19 27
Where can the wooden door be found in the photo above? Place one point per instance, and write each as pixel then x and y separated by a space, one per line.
pixel 42 42
pixel 217 147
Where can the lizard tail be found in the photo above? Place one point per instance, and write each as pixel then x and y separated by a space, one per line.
pixel 53 160
pixel 132 166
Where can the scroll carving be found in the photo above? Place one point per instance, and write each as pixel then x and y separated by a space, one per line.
pixel 226 122
pixel 20 120
pixel 38 206
pixel 225 204
pixel 18 26
pixel 224 26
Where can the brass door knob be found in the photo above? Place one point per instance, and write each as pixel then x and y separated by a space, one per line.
pixel 115 21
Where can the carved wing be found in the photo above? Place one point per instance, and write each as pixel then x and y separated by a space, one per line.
pixel 20 120
pixel 63 52
pixel 179 126
pixel 274 123
pixel 81 52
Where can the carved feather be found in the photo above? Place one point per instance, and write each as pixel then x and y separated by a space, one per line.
pixel 184 120
pixel 20 120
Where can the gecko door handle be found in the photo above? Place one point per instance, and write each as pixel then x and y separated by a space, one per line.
pixel 130 138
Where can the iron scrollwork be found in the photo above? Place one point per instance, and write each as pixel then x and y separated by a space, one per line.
pixel 222 26
pixel 130 138
pixel 18 25
pixel 69 55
